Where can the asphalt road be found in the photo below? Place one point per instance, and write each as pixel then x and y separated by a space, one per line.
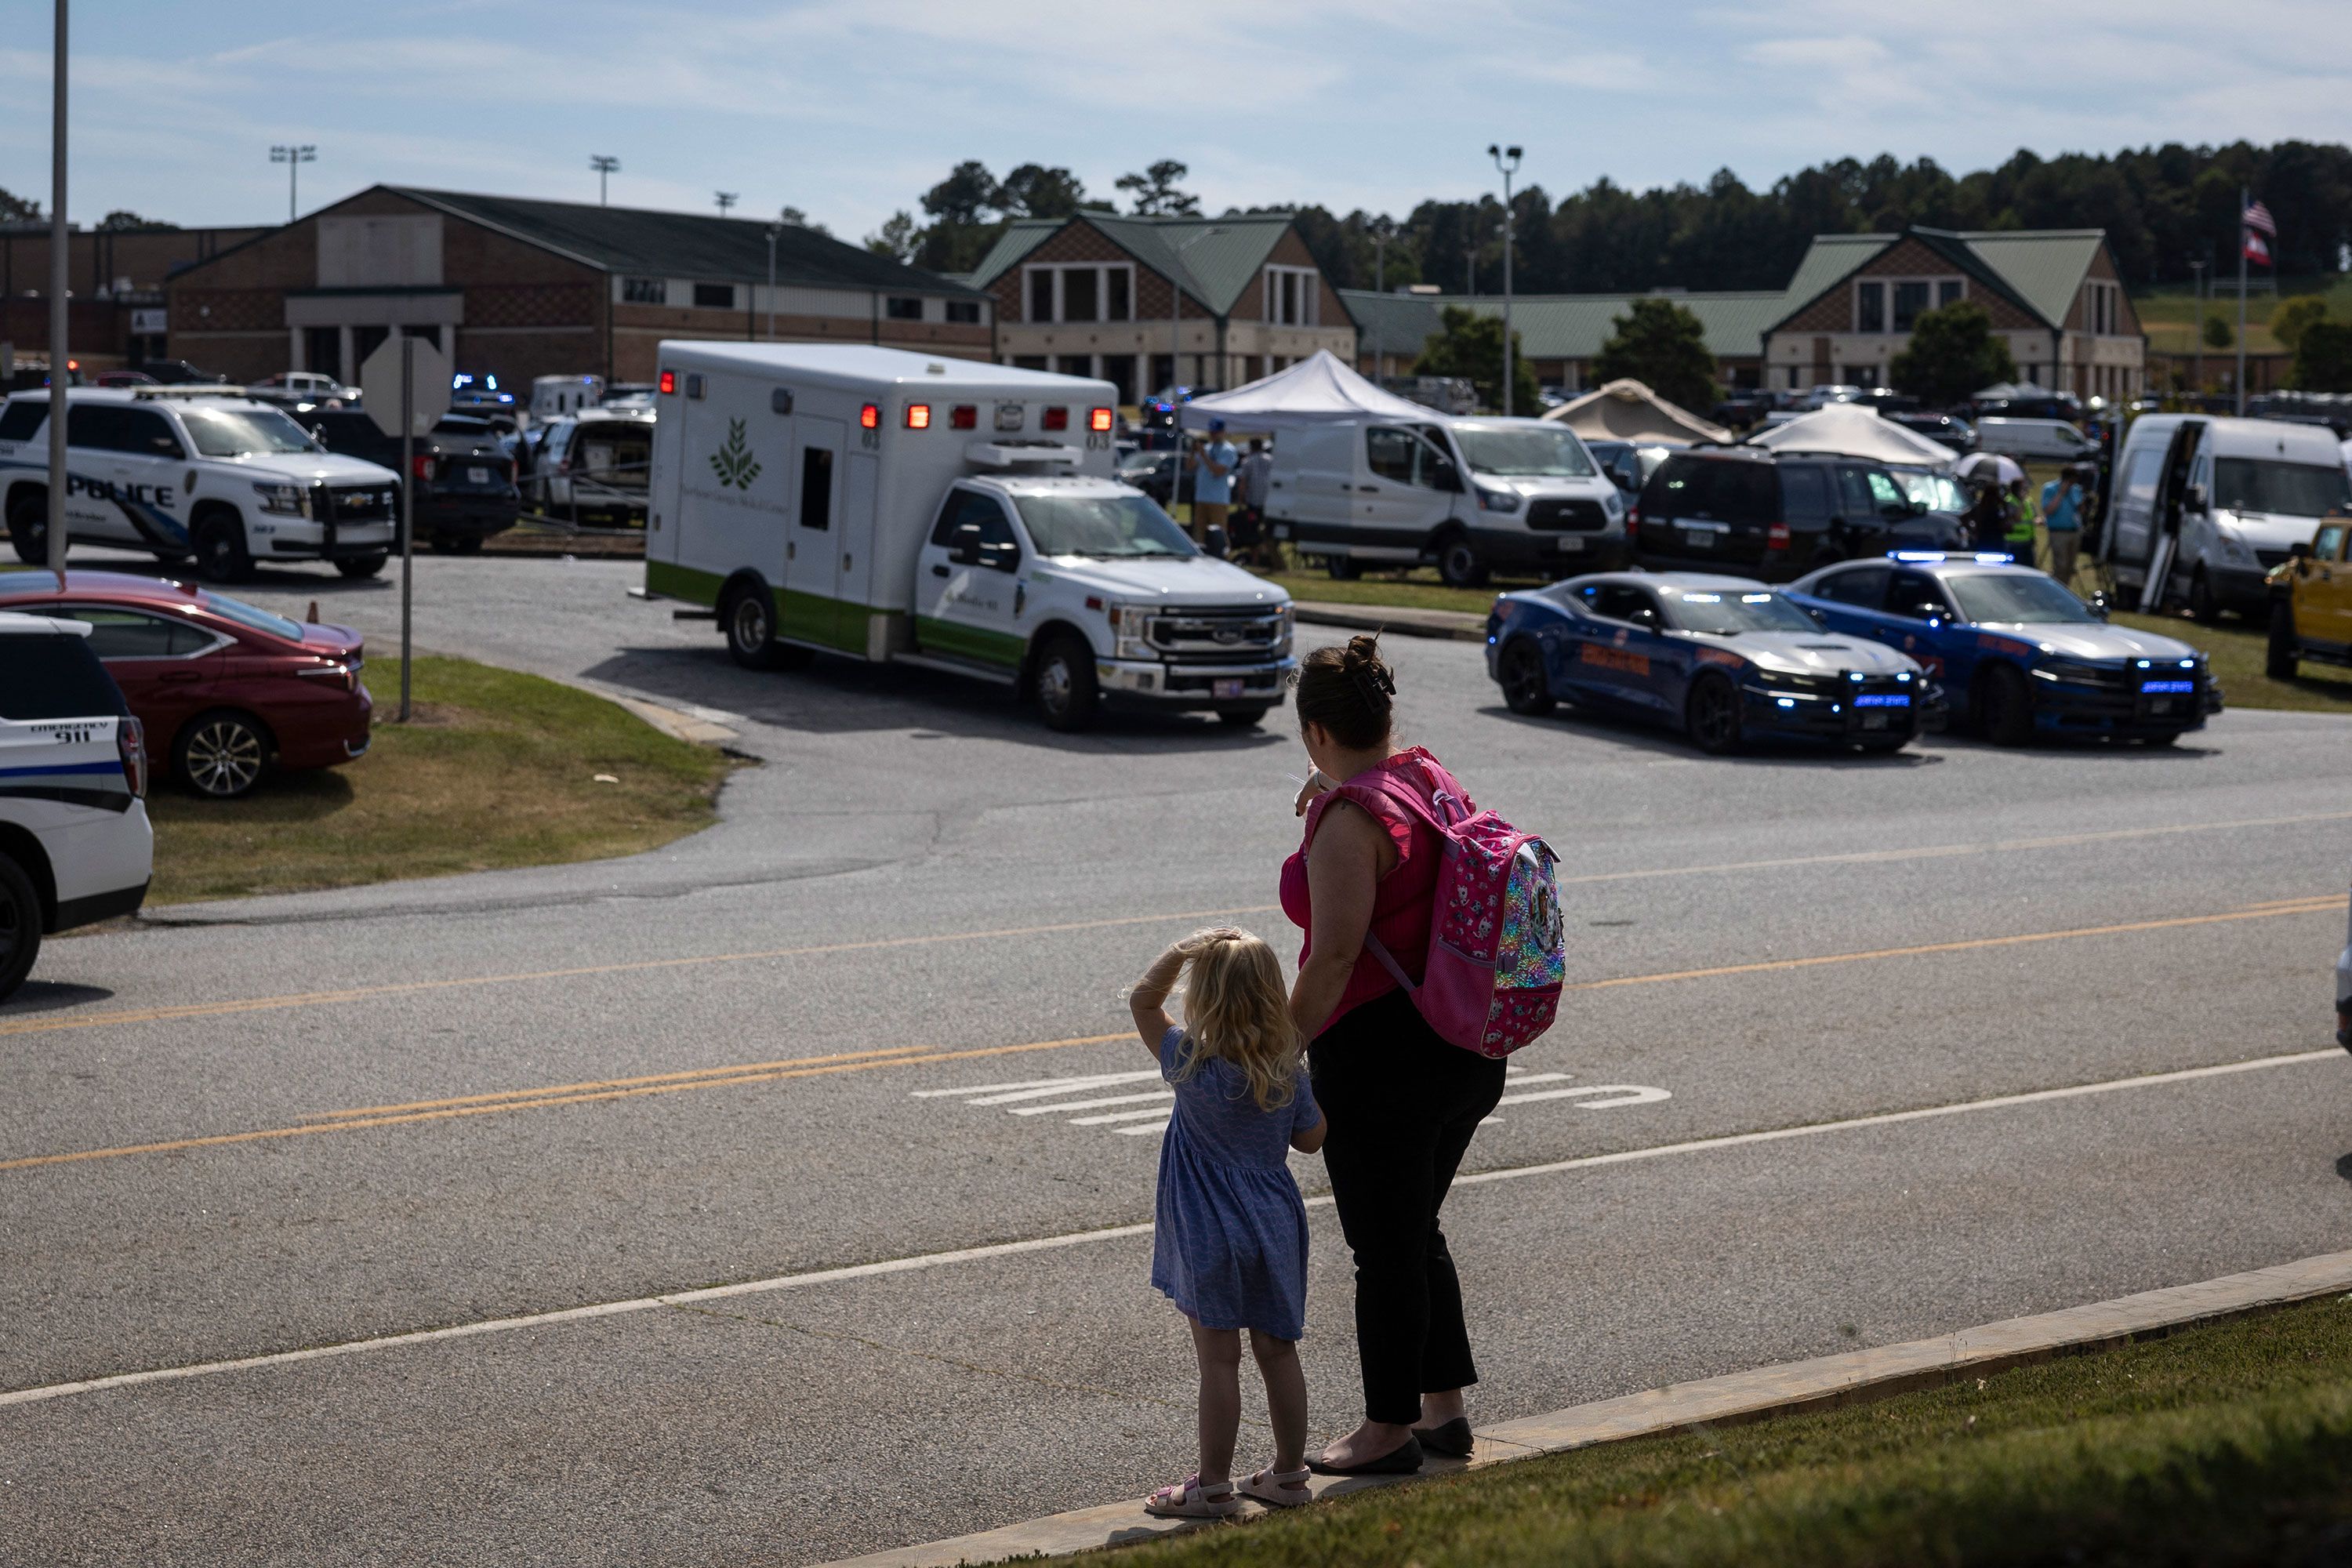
pixel 779 1054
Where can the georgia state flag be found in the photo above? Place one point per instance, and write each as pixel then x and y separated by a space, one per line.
pixel 2256 251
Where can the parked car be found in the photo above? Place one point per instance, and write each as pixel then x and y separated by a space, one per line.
pixel 2016 652
pixel 226 693
pixel 2311 602
pixel 180 373
pixel 1149 472
pixel 1725 659
pixel 1628 464
pixel 124 378
pixel 2049 440
pixel 591 468
pixel 1738 411
pixel 1957 434
pixel 1773 516
pixel 465 490
pixel 74 846
pixel 301 389
pixel 1822 395
pixel 1888 401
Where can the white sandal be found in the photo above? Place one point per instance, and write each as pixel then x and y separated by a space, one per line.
pixel 1187 1498
pixel 1278 1488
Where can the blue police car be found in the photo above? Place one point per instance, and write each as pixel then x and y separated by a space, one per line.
pixel 2017 653
pixel 1725 659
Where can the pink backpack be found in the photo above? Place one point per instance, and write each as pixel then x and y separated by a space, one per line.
pixel 1496 950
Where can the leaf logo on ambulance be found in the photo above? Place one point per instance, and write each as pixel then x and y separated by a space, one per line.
pixel 733 462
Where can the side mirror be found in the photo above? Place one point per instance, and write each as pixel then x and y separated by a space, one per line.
pixel 965 549
pixel 2193 499
pixel 2300 549
pixel 1821 617
pixel 2098 605
pixel 1447 476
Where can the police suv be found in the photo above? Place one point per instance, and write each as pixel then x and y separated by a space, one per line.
pixel 74 846
pixel 187 472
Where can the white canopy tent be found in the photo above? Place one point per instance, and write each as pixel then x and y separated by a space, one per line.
pixel 1855 430
pixel 1627 410
pixel 1313 392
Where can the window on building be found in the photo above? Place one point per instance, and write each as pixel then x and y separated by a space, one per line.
pixel 1290 296
pixel 1870 312
pixel 966 312
pixel 1947 290
pixel 645 291
pixel 903 308
pixel 1081 291
pixel 1119 290
pixel 714 296
pixel 1910 304
pixel 1081 294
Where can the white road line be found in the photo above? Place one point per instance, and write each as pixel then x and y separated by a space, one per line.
pixel 1540 1077
pixel 1627 1094
pixel 1108 1117
pixel 929 1260
pixel 1081 1081
pixel 1142 1132
pixel 1102 1082
pixel 1091 1104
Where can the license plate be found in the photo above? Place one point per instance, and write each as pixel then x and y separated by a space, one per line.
pixel 1874 721
pixel 2160 705
pixel 478 476
pixel 1569 546
pixel 1225 688
pixel 1698 539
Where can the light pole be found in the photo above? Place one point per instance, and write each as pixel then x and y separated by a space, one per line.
pixel 1380 230
pixel 775 232
pixel 605 166
pixel 2197 341
pixel 293 157
pixel 60 371
pixel 1506 159
pixel 726 199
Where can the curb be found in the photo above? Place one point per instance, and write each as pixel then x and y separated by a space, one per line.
pixel 1853 1378
pixel 1459 625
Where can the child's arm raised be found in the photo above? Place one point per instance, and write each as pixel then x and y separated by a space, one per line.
pixel 1148 999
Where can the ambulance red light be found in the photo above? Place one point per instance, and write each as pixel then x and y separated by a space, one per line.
pixel 963 416
pixel 870 418
pixel 669 383
pixel 1056 419
pixel 1098 420
pixel 918 416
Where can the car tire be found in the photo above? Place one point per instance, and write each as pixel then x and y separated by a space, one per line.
pixel 1342 568
pixel 2204 607
pixel 1067 694
pixel 1242 717
pixel 221 555
pixel 2005 706
pixel 361 565
pixel 1527 687
pixel 2282 660
pixel 1711 715
pixel 443 544
pixel 28 526
pixel 20 926
pixel 221 755
pixel 746 613
pixel 1459 564
pixel 468 543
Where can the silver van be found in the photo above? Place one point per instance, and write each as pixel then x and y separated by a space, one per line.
pixel 2048 440
pixel 2201 507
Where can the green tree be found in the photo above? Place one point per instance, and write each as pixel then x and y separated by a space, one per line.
pixel 2218 334
pixel 122 218
pixel 1663 346
pixel 798 219
pixel 2291 316
pixel 15 209
pixel 966 196
pixel 1034 191
pixel 898 238
pixel 1952 354
pixel 1470 343
pixel 2322 357
pixel 1155 191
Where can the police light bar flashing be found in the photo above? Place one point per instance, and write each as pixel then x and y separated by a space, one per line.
pixel 1982 557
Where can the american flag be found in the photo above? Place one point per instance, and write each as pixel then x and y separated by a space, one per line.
pixel 2258 216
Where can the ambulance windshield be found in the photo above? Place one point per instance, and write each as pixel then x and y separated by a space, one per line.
pixel 1111 526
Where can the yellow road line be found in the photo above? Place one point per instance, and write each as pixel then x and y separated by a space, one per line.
pixel 45 1025
pixel 883 1051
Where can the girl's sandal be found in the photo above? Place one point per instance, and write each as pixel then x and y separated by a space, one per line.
pixel 1187 1498
pixel 1278 1488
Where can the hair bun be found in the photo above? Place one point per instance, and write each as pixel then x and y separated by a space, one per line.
pixel 1370 672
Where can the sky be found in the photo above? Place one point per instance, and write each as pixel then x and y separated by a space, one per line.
pixel 850 111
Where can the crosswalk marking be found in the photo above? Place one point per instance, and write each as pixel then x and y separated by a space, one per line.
pixel 1088 1104
pixel 1071 1087
pixel 1111 1116
pixel 1085 1081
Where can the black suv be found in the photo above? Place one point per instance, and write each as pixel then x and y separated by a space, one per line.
pixel 464 479
pixel 1757 514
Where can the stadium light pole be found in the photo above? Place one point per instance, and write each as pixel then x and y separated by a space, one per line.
pixel 293 157
pixel 725 199
pixel 605 166
pixel 60 371
pixel 1506 159
pixel 775 232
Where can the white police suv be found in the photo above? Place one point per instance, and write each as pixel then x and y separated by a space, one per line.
pixel 74 846
pixel 187 472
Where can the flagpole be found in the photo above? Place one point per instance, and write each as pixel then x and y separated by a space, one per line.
pixel 2243 196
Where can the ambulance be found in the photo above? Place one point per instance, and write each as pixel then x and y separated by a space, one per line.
pixel 903 509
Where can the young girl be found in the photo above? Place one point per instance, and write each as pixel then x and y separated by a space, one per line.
pixel 1230 1244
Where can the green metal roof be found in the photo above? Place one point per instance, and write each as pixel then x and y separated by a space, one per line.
pixel 1829 257
pixel 1560 326
pixel 1219 256
pixel 2045 268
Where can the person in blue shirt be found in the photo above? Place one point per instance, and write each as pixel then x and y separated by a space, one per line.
pixel 1212 482
pixel 2062 504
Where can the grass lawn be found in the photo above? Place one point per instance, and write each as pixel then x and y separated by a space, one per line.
pixel 2170 315
pixel 2229 1444
pixel 496 769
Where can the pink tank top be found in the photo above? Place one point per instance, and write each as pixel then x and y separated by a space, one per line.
pixel 1401 907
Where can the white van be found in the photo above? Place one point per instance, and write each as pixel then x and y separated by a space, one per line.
pixel 555 395
pixel 2202 507
pixel 961 516
pixel 2047 439
pixel 1469 494
pixel 186 471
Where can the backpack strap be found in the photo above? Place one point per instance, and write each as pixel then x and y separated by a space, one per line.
pixel 1379 950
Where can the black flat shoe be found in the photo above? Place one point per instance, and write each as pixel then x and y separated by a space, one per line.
pixel 1450 1441
pixel 1402 1460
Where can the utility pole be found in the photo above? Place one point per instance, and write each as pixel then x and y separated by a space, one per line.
pixel 605 166
pixel 2196 376
pixel 726 199
pixel 60 372
pixel 293 157
pixel 2238 386
pixel 1380 227
pixel 775 232
pixel 1506 159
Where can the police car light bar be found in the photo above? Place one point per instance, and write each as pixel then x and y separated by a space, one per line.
pixel 1982 557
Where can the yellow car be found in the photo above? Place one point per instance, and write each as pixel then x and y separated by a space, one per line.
pixel 2311 601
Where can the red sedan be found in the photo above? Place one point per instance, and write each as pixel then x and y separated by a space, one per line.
pixel 231 690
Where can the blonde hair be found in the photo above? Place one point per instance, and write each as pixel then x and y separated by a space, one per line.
pixel 1238 1007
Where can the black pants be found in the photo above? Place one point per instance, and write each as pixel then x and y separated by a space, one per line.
pixel 1403 1105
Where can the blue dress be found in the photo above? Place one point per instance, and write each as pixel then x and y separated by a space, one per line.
pixel 1229 1246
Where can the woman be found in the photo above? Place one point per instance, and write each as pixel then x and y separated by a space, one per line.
pixel 1401 1103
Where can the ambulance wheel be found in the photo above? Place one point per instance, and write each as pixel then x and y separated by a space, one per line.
pixel 28 525
pixel 2280 662
pixel 1065 683
pixel 2004 706
pixel 1459 563
pixel 1526 689
pixel 1711 715
pixel 748 616
pixel 1342 568
pixel 20 926
pixel 1242 717
pixel 361 565
pixel 221 555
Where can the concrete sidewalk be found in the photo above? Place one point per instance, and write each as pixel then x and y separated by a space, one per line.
pixel 1828 1381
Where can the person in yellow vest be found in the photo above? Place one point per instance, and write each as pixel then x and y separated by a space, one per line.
pixel 2017 509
